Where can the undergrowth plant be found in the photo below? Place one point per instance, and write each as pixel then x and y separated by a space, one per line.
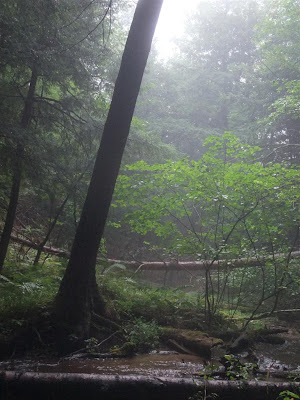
pixel 27 291
pixel 143 335
pixel 287 395
pixel 235 370
pixel 131 299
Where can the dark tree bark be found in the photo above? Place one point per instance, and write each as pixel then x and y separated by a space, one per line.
pixel 17 173
pixel 77 292
pixel 66 386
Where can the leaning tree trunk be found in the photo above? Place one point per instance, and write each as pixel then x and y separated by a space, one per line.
pixel 75 298
pixel 17 173
pixel 52 226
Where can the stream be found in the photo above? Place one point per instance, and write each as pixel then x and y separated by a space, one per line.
pixel 161 364
pixel 271 358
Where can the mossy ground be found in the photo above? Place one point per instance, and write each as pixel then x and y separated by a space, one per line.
pixel 28 292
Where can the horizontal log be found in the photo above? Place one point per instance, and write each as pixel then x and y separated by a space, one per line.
pixel 70 386
pixel 46 249
pixel 294 311
pixel 169 265
pixel 201 265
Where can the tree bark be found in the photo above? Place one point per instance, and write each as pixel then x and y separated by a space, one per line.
pixel 17 173
pixel 70 386
pixel 73 302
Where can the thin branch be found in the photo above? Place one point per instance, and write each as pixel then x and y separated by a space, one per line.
pixel 93 30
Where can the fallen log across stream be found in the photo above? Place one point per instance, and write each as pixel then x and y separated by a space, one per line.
pixel 70 386
pixel 169 265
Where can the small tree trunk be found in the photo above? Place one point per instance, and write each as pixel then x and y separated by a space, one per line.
pixel 74 300
pixel 293 133
pixel 17 173
pixel 52 226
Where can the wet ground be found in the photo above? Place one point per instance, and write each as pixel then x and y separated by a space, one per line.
pixel 280 357
pixel 272 358
pixel 161 364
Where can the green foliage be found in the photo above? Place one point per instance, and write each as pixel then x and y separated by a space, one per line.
pixel 287 395
pixel 132 300
pixel 219 206
pixel 288 104
pixel 225 206
pixel 235 370
pixel 143 335
pixel 27 293
pixel 52 39
pixel 75 47
pixel 294 375
pixel 26 287
pixel 236 68
pixel 278 88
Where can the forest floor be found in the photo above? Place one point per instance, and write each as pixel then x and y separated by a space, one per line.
pixel 162 334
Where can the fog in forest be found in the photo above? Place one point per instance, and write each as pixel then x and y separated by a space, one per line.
pixel 204 218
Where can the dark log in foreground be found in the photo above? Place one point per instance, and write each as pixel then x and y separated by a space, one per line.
pixel 169 265
pixel 46 386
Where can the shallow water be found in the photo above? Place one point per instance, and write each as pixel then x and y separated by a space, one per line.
pixel 168 365
pixel 279 357
pixel 270 358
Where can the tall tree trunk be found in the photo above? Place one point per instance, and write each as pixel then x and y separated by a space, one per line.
pixel 17 173
pixel 74 300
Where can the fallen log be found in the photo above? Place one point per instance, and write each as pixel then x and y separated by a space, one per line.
pixel 168 265
pixel 201 265
pixel 46 249
pixel 189 341
pixel 63 386
pixel 295 312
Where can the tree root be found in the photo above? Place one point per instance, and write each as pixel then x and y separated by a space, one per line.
pixel 106 322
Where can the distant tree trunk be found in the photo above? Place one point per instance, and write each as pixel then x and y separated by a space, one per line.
pixel 293 133
pixel 52 226
pixel 17 173
pixel 78 291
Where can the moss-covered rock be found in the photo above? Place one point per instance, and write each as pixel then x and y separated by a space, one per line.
pixel 126 350
pixel 192 342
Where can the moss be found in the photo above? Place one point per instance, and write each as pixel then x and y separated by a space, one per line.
pixel 126 350
pixel 197 342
